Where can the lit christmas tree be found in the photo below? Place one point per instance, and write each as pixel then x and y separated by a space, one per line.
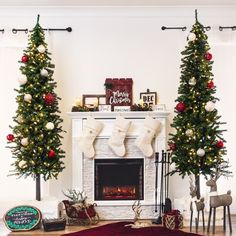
pixel 35 139
pixel 197 145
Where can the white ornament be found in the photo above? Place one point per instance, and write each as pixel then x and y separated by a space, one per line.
pixel 44 73
pixel 22 80
pixel 41 48
pixel 192 81
pixel 24 142
pixel 191 37
pixel 210 106
pixel 200 152
pixel 50 125
pixel 27 97
pixel 20 119
pixel 189 132
pixel 22 163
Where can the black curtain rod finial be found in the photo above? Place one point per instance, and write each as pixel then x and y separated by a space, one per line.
pixel 207 28
pixel 69 29
pixel 2 30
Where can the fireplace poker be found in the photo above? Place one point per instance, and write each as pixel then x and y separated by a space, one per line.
pixel 156 180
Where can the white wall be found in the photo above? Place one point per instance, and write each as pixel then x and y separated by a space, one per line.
pixel 112 42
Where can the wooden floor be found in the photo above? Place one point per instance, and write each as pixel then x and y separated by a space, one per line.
pixel 5 232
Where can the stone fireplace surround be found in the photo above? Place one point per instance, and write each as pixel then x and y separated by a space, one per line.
pixel 83 167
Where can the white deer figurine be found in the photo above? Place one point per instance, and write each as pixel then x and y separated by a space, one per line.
pixel 216 200
pixel 196 205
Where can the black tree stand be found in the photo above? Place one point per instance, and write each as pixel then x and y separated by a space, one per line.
pixel 38 187
pixel 164 161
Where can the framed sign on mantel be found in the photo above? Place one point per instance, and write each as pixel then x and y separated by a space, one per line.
pixel 119 92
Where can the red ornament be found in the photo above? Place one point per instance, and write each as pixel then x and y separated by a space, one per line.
pixel 210 85
pixel 10 137
pixel 24 59
pixel 220 144
pixel 51 153
pixel 172 146
pixel 208 56
pixel 49 99
pixel 180 107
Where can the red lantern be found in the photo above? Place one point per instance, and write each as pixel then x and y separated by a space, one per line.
pixel 210 85
pixel 220 144
pixel 172 146
pixel 51 154
pixel 180 107
pixel 10 137
pixel 49 99
pixel 24 59
pixel 208 56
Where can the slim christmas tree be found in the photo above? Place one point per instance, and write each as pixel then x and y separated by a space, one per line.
pixel 197 145
pixel 36 135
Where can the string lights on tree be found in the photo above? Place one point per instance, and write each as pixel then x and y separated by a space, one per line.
pixel 35 140
pixel 197 144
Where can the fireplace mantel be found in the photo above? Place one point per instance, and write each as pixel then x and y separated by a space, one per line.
pixel 83 167
pixel 112 115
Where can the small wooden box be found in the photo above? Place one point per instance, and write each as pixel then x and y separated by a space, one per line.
pixel 54 224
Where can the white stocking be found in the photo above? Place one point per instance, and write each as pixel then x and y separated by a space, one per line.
pixel 147 133
pixel 116 141
pixel 90 131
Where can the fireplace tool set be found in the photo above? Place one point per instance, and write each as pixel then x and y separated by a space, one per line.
pixel 162 165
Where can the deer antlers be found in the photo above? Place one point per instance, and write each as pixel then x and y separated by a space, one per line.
pixel 136 208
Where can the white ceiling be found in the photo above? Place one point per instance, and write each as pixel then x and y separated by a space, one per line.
pixel 117 2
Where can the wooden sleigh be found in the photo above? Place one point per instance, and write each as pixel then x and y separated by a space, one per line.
pixel 77 214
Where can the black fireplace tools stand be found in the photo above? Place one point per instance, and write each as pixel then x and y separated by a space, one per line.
pixel 162 165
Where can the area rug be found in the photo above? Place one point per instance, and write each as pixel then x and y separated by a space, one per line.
pixel 119 229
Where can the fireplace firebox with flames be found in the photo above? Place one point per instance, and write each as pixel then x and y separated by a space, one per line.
pixel 118 179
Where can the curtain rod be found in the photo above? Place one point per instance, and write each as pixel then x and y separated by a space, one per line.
pixel 183 28
pixel 2 30
pixel 221 28
pixel 68 29
pixel 167 28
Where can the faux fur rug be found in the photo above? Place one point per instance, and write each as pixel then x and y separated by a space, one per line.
pixel 119 229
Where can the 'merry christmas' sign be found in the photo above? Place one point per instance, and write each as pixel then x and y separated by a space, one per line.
pixel 119 92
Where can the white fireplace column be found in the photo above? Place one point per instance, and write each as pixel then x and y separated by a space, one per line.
pixel 83 167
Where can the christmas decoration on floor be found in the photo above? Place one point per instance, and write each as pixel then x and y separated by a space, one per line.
pixel 136 207
pixel 197 123
pixel 91 129
pixel 36 135
pixel 216 200
pixel 22 218
pixel 173 220
pixel 116 141
pixel 196 206
pixel 77 210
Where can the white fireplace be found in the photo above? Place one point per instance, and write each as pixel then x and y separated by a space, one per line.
pixel 88 174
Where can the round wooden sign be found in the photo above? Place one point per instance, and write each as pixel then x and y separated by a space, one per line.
pixel 22 218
